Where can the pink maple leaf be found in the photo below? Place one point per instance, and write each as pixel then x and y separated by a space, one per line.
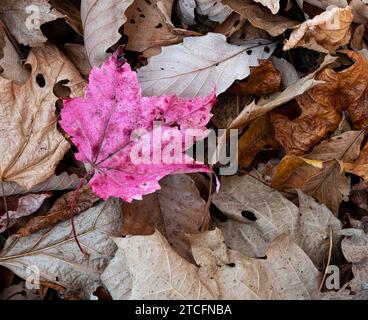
pixel 102 124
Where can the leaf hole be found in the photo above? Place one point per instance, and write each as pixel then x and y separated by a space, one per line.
pixel 231 265
pixel 266 49
pixel 248 215
pixel 132 21
pixel 61 90
pixel 159 26
pixel 40 79
pixel 249 52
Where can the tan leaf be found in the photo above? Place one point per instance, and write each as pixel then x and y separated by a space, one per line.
pixel 31 145
pixel 10 63
pixel 322 106
pixel 149 26
pixel 318 173
pixel 78 56
pixel 360 166
pixel 157 271
pixel 286 272
pixel 60 182
pixel 25 17
pixel 215 10
pixel 260 17
pixel 71 11
pixel 264 105
pixel 27 205
pixel 60 211
pixel 55 253
pixel 273 5
pixel 325 32
pixel 175 210
pixel 101 22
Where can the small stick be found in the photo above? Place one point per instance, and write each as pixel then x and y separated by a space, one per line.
pixel 328 260
pixel 5 204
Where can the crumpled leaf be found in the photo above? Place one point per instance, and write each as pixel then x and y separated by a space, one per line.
pixel 273 5
pixel 264 105
pixel 156 271
pixel 71 13
pixel 185 10
pixel 286 273
pixel 360 166
pixel 55 253
pixel 63 181
pixel 215 10
pixel 260 216
pixel 198 64
pixel 60 211
pixel 25 18
pixel 260 17
pixel 324 33
pixel 78 56
pixel 322 106
pixel 30 143
pixel 101 22
pixel 19 292
pixel 27 205
pixel 145 267
pixel 318 173
pixel 101 126
pixel 175 210
pixel 149 27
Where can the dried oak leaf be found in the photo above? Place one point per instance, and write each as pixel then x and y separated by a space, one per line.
pixel 25 17
pixel 324 33
pixel 318 173
pixel 260 17
pixel 262 80
pixel 104 126
pixel 101 22
pixel 60 211
pixel 30 144
pixel 175 210
pixel 55 253
pixel 322 106
pixel 360 166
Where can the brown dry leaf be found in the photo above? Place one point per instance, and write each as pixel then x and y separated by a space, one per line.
pixel 357 40
pixel 273 5
pixel 149 27
pixel 288 73
pixel 322 106
pixel 360 11
pixel 262 80
pixel 175 210
pixel 360 166
pixel 259 216
pixel 101 22
pixel 355 249
pixel 25 17
pixel 55 253
pixel 60 211
pixel 286 272
pixel 153 270
pixel 26 205
pixel 255 110
pixel 10 62
pixel 318 173
pixel 258 137
pixel 78 56
pixel 324 33
pixel 359 195
pixel 71 12
pixel 63 181
pixel 231 25
pixel 19 292
pixel 260 17
pixel 31 144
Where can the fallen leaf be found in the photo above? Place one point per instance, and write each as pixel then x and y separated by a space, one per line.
pixel 25 18
pixel 60 211
pixel 233 23
pixel 101 126
pixel 322 107
pixel 30 142
pixel 175 210
pixel 289 75
pixel 318 173
pixel 56 255
pixel 360 166
pixel 198 64
pixel 324 33
pixel 215 10
pixel 78 56
pixel 260 17
pixel 264 105
pixel 273 5
pixel 262 80
pixel 71 13
pixel 157 272
pixel 26 205
pixel 61 182
pixel 19 292
pixel 185 9
pixel 101 22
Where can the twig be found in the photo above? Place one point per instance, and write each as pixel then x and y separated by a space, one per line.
pixel 328 260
